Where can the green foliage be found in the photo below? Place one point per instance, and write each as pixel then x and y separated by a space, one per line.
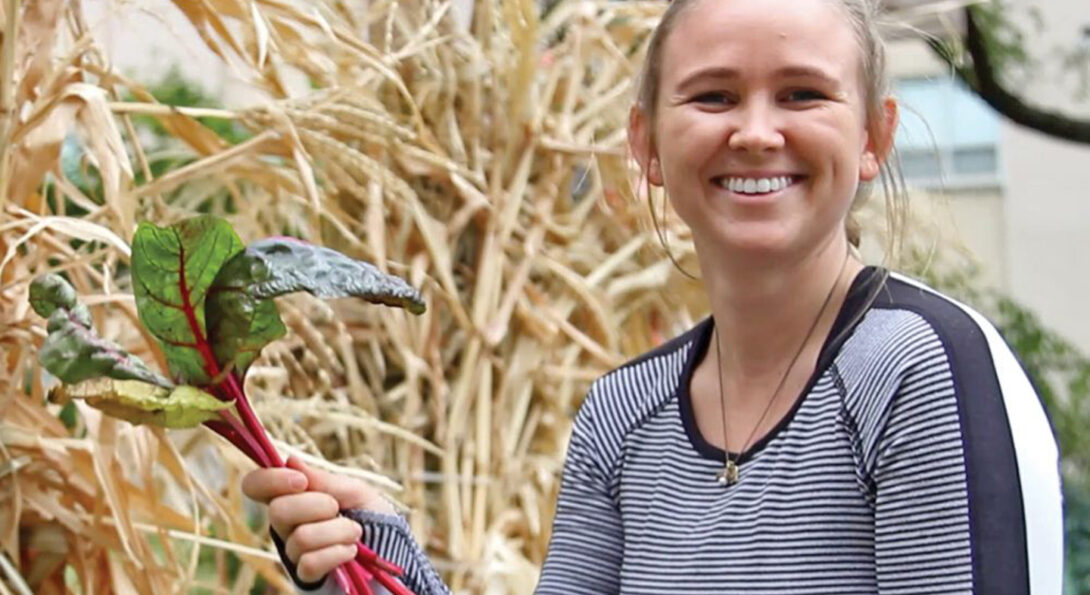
pixel 163 151
pixel 174 89
pixel 1061 376
pixel 241 315
pixel 1077 537
pixel 195 268
pixel 73 351
pixel 143 403
pixel 1004 35
pixel 239 323
pixel 172 270
pixel 166 153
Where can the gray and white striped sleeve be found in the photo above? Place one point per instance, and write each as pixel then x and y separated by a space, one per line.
pixel 586 548
pixel 964 465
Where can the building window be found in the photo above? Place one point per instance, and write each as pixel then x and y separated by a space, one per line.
pixel 948 137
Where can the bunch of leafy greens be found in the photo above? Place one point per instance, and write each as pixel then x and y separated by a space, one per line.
pixel 209 301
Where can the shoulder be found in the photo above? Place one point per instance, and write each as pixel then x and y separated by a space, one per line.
pixel 923 350
pixel 626 396
pixel 910 325
pixel 917 350
pixel 958 326
pixel 645 376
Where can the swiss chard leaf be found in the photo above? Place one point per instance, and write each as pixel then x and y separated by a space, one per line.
pixel 172 268
pixel 73 351
pixel 240 325
pixel 142 403
pixel 242 317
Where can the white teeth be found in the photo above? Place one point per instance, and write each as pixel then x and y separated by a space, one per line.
pixel 756 185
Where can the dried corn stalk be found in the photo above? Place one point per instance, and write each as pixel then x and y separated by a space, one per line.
pixel 484 162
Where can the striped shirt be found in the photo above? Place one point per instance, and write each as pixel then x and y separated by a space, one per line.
pixel 918 459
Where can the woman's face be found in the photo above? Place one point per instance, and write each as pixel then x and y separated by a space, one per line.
pixel 760 137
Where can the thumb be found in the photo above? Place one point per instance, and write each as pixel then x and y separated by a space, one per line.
pixel 349 493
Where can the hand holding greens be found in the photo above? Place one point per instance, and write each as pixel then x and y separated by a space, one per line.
pixel 208 299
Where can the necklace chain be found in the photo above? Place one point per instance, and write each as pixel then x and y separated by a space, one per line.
pixel 731 468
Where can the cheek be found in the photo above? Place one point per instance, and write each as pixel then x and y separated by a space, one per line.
pixel 693 137
pixel 685 145
pixel 828 149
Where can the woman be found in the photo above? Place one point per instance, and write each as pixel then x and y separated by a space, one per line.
pixel 831 428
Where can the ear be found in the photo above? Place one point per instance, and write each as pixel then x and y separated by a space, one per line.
pixel 642 146
pixel 879 141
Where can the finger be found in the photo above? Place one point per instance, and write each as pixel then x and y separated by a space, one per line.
pixel 315 536
pixel 288 512
pixel 349 492
pixel 314 565
pixel 262 485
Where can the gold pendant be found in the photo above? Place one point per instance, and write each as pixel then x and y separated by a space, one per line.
pixel 729 475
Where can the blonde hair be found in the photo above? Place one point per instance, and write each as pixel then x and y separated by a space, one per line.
pixel 862 15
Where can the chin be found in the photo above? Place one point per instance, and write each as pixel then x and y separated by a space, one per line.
pixel 758 240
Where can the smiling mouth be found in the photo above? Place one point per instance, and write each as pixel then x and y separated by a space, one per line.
pixel 756 186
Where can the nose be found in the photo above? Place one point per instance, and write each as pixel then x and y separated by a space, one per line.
pixel 756 130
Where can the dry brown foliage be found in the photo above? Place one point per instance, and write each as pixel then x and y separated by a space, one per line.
pixel 487 166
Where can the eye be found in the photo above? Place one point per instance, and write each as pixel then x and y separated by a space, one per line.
pixel 712 98
pixel 804 95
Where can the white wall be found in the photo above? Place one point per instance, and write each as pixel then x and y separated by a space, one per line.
pixel 1048 204
pixel 1048 227
pixel 1032 234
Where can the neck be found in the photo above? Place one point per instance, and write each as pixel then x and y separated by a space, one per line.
pixel 763 311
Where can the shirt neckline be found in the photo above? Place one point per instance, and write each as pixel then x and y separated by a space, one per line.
pixel 859 298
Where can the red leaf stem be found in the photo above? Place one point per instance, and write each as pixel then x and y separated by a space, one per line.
pixel 250 420
pixel 367 557
pixel 383 571
pixel 344 583
pixel 361 579
pixel 230 428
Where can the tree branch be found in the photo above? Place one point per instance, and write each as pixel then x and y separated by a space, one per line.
pixel 983 82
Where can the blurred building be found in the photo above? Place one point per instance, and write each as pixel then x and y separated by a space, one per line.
pixel 1016 196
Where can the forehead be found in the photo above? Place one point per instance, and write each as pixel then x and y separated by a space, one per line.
pixel 759 36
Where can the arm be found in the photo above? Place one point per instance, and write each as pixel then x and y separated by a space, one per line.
pixel 966 477
pixel 586 550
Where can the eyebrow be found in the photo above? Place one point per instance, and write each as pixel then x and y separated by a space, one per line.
pixel 724 72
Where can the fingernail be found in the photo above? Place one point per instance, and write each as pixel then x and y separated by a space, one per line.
pixel 297 482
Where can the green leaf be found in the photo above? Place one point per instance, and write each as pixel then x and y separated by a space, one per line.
pixel 240 325
pixel 242 317
pixel 51 292
pixel 172 268
pixel 73 351
pixel 142 403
